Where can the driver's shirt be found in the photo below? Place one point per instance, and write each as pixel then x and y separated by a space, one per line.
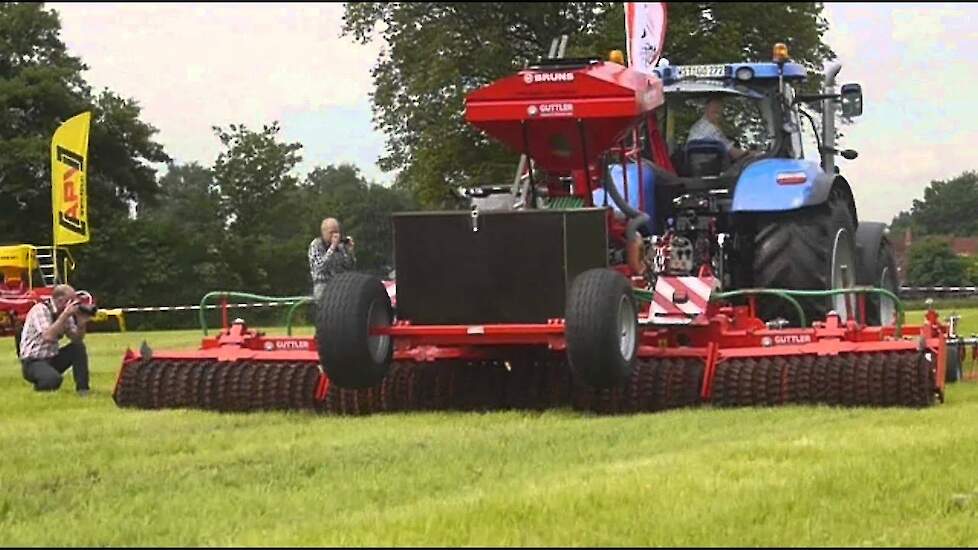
pixel 704 129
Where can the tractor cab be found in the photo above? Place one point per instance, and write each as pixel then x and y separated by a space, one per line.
pixel 755 108
pixel 718 119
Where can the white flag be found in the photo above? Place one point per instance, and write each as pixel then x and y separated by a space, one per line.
pixel 645 32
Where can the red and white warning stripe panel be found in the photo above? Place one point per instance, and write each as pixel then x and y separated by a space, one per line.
pixel 680 300
pixel 391 287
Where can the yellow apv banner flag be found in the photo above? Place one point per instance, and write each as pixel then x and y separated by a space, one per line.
pixel 69 189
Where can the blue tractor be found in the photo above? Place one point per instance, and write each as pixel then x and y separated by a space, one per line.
pixel 767 207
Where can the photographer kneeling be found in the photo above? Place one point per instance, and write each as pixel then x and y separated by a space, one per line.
pixel 42 362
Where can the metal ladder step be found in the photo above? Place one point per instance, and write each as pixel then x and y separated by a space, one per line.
pixel 48 274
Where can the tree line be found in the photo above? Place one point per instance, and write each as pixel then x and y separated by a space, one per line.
pixel 947 210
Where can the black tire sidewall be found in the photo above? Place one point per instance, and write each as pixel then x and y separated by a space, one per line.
pixel 952 370
pixel 785 244
pixel 842 219
pixel 593 329
pixel 342 332
pixel 884 259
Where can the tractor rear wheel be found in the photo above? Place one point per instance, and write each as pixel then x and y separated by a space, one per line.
pixel 808 249
pixel 601 328
pixel 352 304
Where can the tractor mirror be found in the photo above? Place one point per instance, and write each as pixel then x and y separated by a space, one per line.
pixel 849 154
pixel 852 100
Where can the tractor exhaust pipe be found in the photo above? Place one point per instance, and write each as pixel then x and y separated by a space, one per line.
pixel 828 118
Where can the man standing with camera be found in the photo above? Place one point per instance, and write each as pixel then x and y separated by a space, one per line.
pixel 329 254
pixel 43 363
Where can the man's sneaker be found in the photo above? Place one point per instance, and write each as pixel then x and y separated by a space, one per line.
pixel 83 393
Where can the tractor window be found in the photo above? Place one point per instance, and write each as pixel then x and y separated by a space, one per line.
pixel 793 124
pixel 809 138
pixel 743 121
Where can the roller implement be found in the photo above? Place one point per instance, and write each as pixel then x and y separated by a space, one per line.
pixel 627 269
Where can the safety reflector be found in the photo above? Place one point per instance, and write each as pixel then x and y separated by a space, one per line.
pixel 792 178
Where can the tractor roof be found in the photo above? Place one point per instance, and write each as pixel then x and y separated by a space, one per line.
pixel 729 72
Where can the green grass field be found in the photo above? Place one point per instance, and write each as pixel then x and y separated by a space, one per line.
pixel 82 472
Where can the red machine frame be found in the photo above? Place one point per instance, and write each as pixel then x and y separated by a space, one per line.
pixel 732 332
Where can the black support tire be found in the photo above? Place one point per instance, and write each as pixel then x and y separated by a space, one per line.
pixel 350 306
pixel 601 328
pixel 877 268
pixel 17 330
pixel 812 248
pixel 952 368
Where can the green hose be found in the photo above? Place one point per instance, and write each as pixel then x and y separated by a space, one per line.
pixel 860 290
pixel 643 295
pixel 245 295
pixel 292 308
pixel 787 294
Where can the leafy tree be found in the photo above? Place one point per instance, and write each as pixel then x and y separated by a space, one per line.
pixel 187 212
pixel 438 52
pixel 252 172
pixel 364 209
pixel 948 208
pixel 253 175
pixel 901 222
pixel 971 270
pixel 932 262
pixel 41 86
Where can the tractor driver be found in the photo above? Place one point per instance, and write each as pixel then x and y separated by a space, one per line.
pixel 329 255
pixel 708 128
pixel 42 362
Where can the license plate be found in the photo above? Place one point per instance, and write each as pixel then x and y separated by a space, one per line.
pixel 702 71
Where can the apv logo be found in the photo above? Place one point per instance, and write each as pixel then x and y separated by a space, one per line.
pixel 535 78
pixel 71 182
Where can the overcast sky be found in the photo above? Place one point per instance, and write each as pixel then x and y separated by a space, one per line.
pixel 192 66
